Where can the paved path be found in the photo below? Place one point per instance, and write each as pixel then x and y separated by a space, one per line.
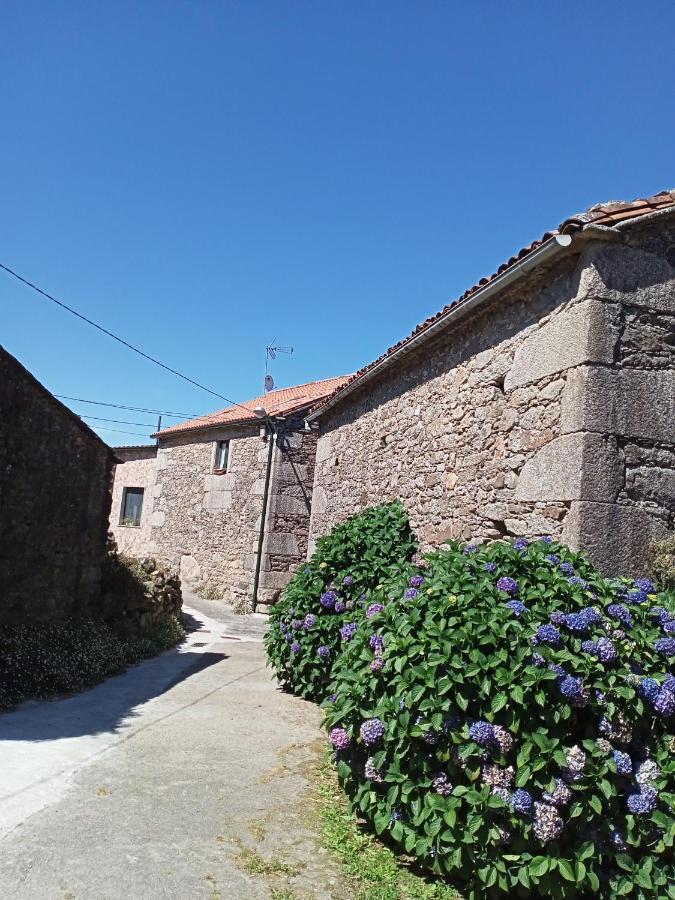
pixel 165 780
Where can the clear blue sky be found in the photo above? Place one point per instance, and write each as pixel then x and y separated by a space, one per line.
pixel 204 177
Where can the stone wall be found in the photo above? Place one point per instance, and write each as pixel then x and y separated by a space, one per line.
pixel 136 468
pixel 55 483
pixel 548 411
pixel 208 524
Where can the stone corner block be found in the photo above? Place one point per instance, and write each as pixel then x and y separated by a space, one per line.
pixel 583 333
pixel 572 467
pixel 628 275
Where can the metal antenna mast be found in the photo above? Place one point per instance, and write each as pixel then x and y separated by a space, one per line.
pixel 271 353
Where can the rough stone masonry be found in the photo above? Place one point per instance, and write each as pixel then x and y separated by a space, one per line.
pixel 549 410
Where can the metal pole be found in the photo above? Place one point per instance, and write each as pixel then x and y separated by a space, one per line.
pixel 261 535
pixel 159 428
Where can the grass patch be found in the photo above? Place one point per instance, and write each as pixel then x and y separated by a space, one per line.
pixel 253 864
pixel 376 872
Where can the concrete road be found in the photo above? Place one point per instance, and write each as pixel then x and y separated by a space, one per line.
pixel 190 775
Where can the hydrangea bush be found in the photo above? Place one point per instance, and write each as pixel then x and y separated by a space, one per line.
pixel 321 607
pixel 508 720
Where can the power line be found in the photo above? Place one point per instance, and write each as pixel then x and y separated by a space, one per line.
pixel 119 431
pixel 156 412
pixel 117 421
pixel 119 339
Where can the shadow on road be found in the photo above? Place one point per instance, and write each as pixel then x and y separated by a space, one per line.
pixel 105 707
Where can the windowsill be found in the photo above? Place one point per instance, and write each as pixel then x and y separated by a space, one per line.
pixel 128 525
pixel 220 471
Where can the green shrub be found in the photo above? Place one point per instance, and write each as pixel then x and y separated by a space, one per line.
pixel 661 562
pixel 43 660
pixel 328 594
pixel 510 723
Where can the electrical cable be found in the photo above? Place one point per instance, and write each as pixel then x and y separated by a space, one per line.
pixel 156 412
pixel 117 421
pixel 118 339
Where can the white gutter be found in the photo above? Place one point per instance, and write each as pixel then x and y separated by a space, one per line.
pixel 555 246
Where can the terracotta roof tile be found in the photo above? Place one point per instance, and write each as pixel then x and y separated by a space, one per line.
pixel 279 402
pixel 607 214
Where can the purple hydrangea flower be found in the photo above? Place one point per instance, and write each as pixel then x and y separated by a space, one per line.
pixel 410 593
pixel 664 704
pixel 340 606
pixel 665 645
pixel 323 652
pixel 374 609
pixel 552 558
pixel 372 731
pixel 547 824
pixel 517 607
pixel 606 650
pixel 333 698
pixel 508 585
pixel 649 688
pixel 669 626
pixel 623 762
pixel 643 803
pixel 560 796
pixel 297 623
pixel 327 600
pixel 376 641
pixel 339 738
pixel 546 540
pixel 288 637
pixel 521 544
pixel 538 659
pixel 371 773
pixel 548 634
pixel 646 585
pixel 348 631
pixel 669 682
pixel 295 647
pixel 348 581
pixel 377 664
pixel 590 647
pixel 482 733
pixel 620 612
pixel 567 568
pixel 557 618
pixel 416 581
pixel 310 621
pixel 490 567
pixel 470 548
pixel 521 801
pixel 503 793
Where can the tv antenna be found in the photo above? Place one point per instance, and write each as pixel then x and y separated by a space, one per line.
pixel 271 353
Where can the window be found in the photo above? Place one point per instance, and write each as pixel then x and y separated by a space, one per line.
pixel 132 506
pixel 222 454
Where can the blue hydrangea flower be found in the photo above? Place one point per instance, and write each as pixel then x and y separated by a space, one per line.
pixel 649 688
pixel 521 801
pixel 340 606
pixel 576 580
pixel 623 762
pixel 517 607
pixel 643 803
pixel 577 622
pixel 546 540
pixel 606 650
pixel 482 733
pixel 567 568
pixel 323 652
pixel 441 785
pixel 333 698
pixel 289 637
pixel 470 548
pixel 508 585
pixel 310 621
pixel 410 593
pixel 374 609
pixel 553 558
pixel 416 581
pixel 372 731
pixel 618 840
pixel 376 641
pixel 490 567
pixel 665 645
pixel 548 634
pixel 590 647
pixel 557 618
pixel 573 690
pixel 521 544
pixel 646 585
pixel 669 626
pixel 658 612
pixel 295 647
pixel 664 703
pixel 559 670
pixel 636 597
pixel 538 659
pixel 347 581
pixel 401 703
pixel 669 682
pixel 327 599
pixel 620 612
pixel 348 631
pixel 396 815
pixel 592 615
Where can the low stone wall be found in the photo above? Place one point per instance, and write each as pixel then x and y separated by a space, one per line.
pixel 138 594
pixel 55 484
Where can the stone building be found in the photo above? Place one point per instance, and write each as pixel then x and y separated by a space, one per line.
pixel 196 500
pixel 55 483
pixel 541 402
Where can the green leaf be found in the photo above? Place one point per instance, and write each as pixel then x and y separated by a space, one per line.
pixel 566 869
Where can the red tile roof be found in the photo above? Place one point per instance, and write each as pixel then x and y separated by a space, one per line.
pixel 606 214
pixel 275 403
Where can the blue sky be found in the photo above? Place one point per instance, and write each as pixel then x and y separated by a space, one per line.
pixel 202 178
